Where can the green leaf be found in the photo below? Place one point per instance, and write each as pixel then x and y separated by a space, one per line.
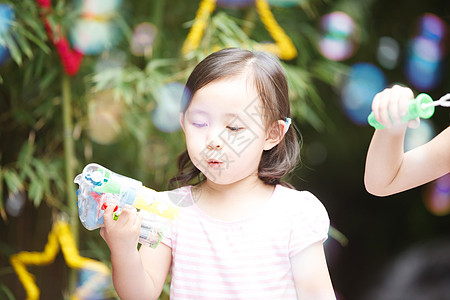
pixel 13 49
pixel 36 192
pixel 13 181
pixel 25 154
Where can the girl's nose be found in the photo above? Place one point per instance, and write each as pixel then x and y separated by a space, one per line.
pixel 215 144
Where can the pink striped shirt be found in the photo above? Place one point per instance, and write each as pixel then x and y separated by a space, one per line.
pixel 248 258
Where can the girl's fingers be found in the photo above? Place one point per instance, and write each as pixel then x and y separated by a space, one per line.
pixel 108 214
pixel 391 105
pixel 394 106
pixel 376 107
pixel 138 221
pixel 383 108
pixel 128 215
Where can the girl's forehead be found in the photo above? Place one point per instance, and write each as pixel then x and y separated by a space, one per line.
pixel 232 92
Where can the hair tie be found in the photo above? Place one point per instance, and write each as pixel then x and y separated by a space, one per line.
pixel 288 124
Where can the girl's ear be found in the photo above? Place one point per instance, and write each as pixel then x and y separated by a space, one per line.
pixel 275 134
pixel 182 120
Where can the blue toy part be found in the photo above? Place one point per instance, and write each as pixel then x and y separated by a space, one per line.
pixel 98 185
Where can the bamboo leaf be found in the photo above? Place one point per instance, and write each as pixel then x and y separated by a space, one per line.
pixel 25 154
pixel 24 45
pixel 36 192
pixel 13 181
pixel 13 49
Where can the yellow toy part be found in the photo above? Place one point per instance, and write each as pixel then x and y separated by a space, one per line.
pixel 153 202
pixel 283 46
pixel 59 236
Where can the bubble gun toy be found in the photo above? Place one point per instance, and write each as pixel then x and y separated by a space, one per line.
pixel 100 187
pixel 422 106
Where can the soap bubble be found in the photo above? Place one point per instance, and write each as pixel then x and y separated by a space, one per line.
pixel 388 52
pixel 96 30
pixel 364 82
pixel 143 37
pixel 338 40
pixel 169 99
pixel 105 115
pixel 431 27
pixel 423 67
pixel 437 198
pixel 7 16
pixel 419 136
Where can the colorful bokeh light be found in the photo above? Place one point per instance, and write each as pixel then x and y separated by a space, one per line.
pixel 169 99
pixel 338 39
pixel 388 52
pixel 105 117
pixel 415 137
pixel 7 16
pixel 96 31
pixel 143 37
pixel 425 53
pixel 363 83
pixel 437 196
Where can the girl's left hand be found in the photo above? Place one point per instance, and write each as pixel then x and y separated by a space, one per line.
pixel 121 235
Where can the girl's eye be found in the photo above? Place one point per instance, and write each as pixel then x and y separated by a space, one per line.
pixel 235 128
pixel 199 124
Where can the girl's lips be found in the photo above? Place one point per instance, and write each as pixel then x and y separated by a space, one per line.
pixel 214 163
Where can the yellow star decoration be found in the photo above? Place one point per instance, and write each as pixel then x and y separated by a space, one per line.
pixel 59 236
pixel 283 46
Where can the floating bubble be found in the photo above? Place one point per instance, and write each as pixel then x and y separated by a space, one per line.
pixel 143 37
pixel 105 115
pixel 419 136
pixel 15 203
pixel 93 37
pixel 423 68
pixel 235 3
pixel 364 82
pixel 96 31
pixel 437 199
pixel 388 52
pixel 7 16
pixel 338 38
pixel 4 54
pixel 169 99
pixel 431 27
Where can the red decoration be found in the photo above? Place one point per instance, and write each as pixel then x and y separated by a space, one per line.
pixel 71 59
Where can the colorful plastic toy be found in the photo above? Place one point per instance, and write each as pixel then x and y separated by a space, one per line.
pixel 100 187
pixel 422 106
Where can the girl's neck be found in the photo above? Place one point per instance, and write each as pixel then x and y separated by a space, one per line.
pixel 232 201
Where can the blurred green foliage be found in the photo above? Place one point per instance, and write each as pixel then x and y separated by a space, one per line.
pixel 33 153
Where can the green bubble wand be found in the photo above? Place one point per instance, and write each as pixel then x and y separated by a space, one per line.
pixel 422 106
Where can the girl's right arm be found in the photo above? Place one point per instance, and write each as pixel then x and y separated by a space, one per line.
pixel 136 274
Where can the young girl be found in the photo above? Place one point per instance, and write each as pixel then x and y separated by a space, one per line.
pixel 388 169
pixel 247 235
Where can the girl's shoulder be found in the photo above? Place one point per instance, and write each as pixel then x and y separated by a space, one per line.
pixel 298 201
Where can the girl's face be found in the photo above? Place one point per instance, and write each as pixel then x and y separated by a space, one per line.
pixel 225 130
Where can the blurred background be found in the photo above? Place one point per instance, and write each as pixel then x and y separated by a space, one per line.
pixel 101 80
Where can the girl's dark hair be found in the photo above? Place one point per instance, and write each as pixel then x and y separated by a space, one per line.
pixel 267 75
